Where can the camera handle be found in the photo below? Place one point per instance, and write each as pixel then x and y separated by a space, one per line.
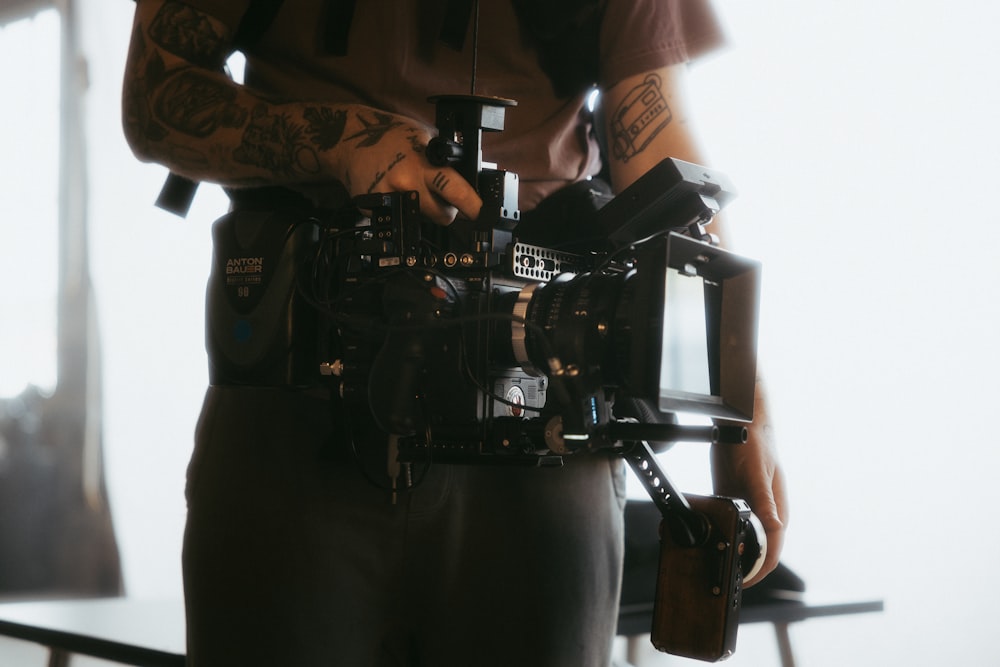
pixel 461 121
pixel 688 527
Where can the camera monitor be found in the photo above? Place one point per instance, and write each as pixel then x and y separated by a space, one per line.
pixel 707 361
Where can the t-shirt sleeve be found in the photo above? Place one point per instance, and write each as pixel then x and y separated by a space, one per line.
pixel 229 12
pixel 638 36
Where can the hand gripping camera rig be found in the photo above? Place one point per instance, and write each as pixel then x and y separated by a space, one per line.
pixel 467 344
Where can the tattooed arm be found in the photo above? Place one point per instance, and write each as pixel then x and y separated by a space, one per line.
pixel 181 110
pixel 647 122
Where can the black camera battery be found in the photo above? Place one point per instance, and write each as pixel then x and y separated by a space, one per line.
pixel 259 328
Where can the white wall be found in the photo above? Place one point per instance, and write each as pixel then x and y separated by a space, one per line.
pixel 149 270
pixel 861 136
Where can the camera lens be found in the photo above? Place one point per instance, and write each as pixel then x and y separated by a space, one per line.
pixel 580 321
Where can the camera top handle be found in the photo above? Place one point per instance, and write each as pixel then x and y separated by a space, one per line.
pixel 461 121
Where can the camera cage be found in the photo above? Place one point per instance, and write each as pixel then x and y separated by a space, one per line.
pixel 470 344
pixel 539 334
pixel 500 351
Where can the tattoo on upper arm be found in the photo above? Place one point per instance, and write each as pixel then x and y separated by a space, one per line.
pixel 274 143
pixel 189 34
pixel 639 118
pixel 198 104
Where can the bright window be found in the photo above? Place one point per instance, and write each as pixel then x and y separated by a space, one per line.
pixel 29 206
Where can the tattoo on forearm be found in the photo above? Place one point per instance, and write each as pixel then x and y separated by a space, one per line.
pixel 138 116
pixel 639 118
pixel 374 128
pixel 273 142
pixel 197 104
pixel 325 126
pixel 188 33
pixel 379 175
pixel 190 158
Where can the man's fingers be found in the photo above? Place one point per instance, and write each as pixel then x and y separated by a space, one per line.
pixel 772 512
pixel 448 185
pixel 438 211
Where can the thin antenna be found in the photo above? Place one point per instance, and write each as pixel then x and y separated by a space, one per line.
pixel 475 44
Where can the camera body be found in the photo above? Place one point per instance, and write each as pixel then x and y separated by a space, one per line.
pixel 699 587
pixel 470 342
pixel 473 346
pixel 432 338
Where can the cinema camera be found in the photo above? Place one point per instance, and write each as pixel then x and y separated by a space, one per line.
pixel 470 344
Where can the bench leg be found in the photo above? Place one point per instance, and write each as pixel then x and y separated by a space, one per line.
pixel 58 657
pixel 633 649
pixel 784 644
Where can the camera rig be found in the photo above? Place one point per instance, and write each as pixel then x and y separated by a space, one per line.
pixel 469 344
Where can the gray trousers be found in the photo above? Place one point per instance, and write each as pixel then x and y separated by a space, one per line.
pixel 293 557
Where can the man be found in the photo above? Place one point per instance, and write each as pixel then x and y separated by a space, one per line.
pixel 294 554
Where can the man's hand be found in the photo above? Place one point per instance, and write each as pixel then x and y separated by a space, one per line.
pixel 180 110
pixel 751 471
pixel 387 153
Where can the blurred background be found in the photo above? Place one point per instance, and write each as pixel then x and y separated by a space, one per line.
pixel 862 138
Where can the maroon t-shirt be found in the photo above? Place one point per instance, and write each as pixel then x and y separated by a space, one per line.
pixel 394 61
